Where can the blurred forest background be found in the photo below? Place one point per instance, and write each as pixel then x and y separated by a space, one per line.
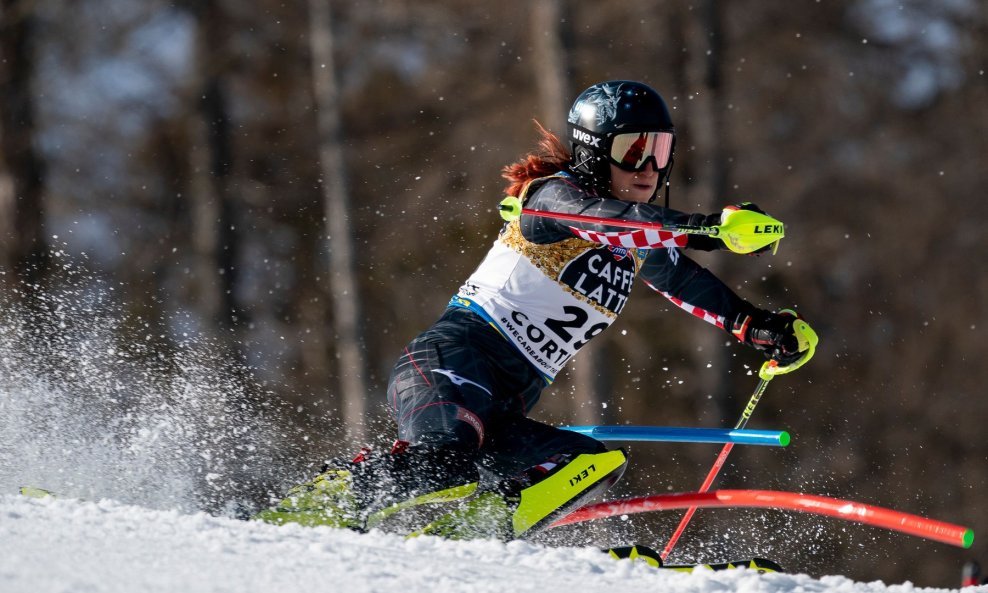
pixel 307 182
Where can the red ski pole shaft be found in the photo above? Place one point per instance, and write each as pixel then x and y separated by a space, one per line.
pixel 763 380
pixel 628 224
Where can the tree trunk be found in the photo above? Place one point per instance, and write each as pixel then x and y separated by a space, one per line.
pixel 22 241
pixel 550 63
pixel 214 227
pixel 349 346
pixel 550 75
pixel 704 83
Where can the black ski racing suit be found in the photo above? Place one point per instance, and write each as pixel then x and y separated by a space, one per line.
pixel 545 289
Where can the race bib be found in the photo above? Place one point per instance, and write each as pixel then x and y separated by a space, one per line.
pixel 550 300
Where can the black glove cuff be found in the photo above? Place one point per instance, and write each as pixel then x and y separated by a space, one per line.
pixel 742 324
pixel 704 242
pixel 769 332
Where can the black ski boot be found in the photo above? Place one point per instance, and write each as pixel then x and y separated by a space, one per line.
pixel 971 575
pixel 361 493
pixel 532 500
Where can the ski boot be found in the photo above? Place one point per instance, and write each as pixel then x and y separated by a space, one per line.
pixel 531 501
pixel 362 493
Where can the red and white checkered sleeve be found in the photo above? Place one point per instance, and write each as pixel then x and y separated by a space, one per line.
pixel 641 239
pixel 709 317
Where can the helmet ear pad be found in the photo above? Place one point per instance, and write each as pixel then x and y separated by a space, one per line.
pixel 584 160
pixel 589 159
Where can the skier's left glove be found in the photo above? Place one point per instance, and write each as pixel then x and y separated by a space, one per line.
pixel 783 337
pixel 753 208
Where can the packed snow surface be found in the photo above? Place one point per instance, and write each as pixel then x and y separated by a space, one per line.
pixel 49 545
pixel 182 441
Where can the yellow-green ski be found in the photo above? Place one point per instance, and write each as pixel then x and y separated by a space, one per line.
pixel 652 558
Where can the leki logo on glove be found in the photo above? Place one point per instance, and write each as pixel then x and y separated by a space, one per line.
pixel 769 229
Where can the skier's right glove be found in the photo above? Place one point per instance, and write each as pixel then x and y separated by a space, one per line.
pixel 776 336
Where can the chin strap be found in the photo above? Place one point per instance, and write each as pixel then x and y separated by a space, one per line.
pixel 667 176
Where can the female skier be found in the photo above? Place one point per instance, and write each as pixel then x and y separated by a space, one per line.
pixel 461 391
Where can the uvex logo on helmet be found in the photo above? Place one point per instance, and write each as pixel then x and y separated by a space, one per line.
pixel 584 137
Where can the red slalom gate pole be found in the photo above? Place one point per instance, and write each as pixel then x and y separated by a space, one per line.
pixel 688 515
pixel 764 376
pixel 847 510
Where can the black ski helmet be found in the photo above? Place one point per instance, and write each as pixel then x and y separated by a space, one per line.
pixel 604 110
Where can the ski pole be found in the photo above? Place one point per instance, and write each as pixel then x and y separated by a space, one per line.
pixel 743 231
pixel 763 379
pixel 807 343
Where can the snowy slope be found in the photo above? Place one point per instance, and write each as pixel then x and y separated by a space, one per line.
pixel 171 438
pixel 104 547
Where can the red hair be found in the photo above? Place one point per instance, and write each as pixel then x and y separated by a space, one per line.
pixel 550 157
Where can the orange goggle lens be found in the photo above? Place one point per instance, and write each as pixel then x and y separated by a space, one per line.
pixel 631 151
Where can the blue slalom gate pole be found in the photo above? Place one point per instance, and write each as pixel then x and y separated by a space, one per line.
pixel 672 434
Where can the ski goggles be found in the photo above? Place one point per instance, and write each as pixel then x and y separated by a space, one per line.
pixel 632 150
